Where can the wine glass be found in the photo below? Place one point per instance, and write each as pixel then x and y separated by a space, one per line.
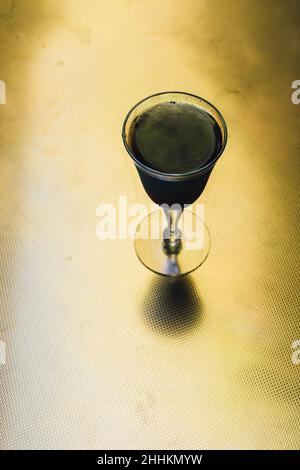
pixel 174 139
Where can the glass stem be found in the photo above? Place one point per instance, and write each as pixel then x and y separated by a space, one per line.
pixel 172 234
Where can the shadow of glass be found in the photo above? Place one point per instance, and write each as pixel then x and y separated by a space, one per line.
pixel 171 306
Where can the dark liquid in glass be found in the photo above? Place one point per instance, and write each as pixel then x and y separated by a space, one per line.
pixel 175 138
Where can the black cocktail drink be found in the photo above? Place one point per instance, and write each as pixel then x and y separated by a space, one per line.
pixel 178 138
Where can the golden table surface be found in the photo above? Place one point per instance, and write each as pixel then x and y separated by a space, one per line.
pixel 100 352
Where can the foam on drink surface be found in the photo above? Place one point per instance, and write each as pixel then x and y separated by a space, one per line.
pixel 175 137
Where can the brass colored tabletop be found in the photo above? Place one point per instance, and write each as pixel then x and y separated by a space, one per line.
pixel 100 352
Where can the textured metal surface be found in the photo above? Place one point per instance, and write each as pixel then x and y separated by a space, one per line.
pixel 102 353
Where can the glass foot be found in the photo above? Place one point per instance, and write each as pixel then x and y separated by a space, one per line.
pixel 154 253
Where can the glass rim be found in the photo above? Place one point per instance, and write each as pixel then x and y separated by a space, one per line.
pixel 175 176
